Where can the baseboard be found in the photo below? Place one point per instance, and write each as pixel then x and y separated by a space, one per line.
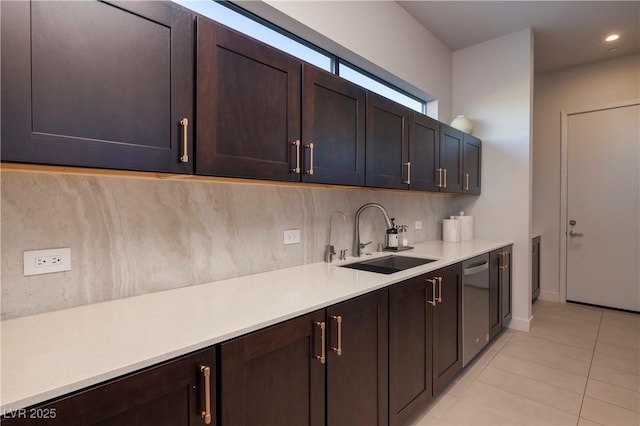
pixel 521 324
pixel 549 296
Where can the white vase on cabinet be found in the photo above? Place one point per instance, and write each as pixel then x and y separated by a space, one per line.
pixel 462 123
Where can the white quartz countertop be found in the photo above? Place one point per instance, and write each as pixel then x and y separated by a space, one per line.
pixel 48 355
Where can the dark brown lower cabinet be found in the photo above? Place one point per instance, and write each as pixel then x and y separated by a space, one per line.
pixel 505 285
pixel 170 394
pixel 499 289
pixel 278 376
pixel 495 319
pixel 425 340
pixel 447 326
pixel 410 349
pixel 535 268
pixel 357 361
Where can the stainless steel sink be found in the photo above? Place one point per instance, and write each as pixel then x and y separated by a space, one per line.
pixel 388 264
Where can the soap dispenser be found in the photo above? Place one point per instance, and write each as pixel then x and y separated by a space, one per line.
pixel 392 236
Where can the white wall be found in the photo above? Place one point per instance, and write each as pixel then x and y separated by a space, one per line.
pixel 493 85
pixel 570 90
pixel 379 36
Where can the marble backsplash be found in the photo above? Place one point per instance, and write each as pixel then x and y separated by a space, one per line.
pixel 130 236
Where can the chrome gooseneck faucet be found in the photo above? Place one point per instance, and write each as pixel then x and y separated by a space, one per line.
pixel 387 219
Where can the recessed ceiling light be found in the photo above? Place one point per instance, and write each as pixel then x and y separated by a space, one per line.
pixel 612 37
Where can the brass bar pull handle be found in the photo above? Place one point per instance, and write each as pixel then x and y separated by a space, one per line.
pixel 206 413
pixel 433 288
pixel 408 164
pixel 466 181
pixel 439 298
pixel 296 169
pixel 338 320
pixel 439 184
pixel 503 260
pixel 184 158
pixel 322 356
pixel 310 148
pixel 445 178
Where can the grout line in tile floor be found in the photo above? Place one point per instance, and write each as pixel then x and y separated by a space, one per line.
pixel 593 354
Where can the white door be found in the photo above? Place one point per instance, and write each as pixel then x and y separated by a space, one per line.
pixel 603 207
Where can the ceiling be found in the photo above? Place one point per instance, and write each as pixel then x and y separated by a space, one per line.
pixel 567 33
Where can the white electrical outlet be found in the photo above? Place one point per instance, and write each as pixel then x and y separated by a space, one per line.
pixel 291 236
pixel 38 262
pixel 418 224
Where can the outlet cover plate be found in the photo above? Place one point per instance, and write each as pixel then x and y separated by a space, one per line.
pixel 291 236
pixel 38 262
pixel 418 224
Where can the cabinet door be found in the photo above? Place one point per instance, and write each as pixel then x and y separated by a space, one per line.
pixel 247 106
pixel 535 268
pixel 410 349
pixel 447 327
pixel 424 152
pixel 471 162
pixel 170 394
pixel 451 147
pixel 357 361
pixel 505 286
pixel 495 315
pixel 333 129
pixel 272 376
pixel 97 85
pixel 387 143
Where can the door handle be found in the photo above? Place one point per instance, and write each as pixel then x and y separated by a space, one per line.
pixel 322 356
pixel 206 411
pixel 296 169
pixel 573 233
pixel 309 171
pixel 338 320
pixel 433 289
pixel 439 299
pixel 503 260
pixel 408 164
pixel 184 158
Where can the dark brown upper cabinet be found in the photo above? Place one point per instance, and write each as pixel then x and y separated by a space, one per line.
pixel 471 164
pixel 387 163
pixel 333 129
pixel 450 170
pixel 424 152
pixel 247 106
pixel 96 84
pixel 173 393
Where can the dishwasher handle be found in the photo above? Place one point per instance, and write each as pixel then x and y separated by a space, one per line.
pixel 475 269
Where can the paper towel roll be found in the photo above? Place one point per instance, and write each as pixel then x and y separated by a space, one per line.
pixel 466 227
pixel 451 230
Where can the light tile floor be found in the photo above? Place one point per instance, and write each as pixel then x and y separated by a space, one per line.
pixel 578 365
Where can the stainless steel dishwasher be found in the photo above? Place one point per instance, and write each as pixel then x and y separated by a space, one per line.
pixel 475 306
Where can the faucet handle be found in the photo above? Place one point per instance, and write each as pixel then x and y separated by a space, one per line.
pixel 343 254
pixel 363 245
